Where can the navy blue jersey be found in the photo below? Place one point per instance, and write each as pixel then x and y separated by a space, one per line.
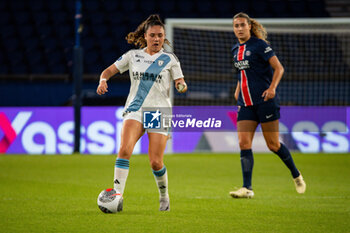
pixel 254 70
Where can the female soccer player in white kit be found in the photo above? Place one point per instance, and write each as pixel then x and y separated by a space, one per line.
pixel 151 71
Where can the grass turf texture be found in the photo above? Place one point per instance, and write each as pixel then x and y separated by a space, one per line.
pixel 58 194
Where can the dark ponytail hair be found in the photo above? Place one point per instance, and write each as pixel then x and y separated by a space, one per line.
pixel 137 37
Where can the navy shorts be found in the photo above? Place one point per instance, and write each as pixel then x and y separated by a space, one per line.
pixel 264 112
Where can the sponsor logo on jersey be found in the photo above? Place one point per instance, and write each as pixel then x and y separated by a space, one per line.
pixel 268 49
pixel 148 61
pixel 120 58
pixel 138 60
pixel 139 56
pixel 146 76
pixel 241 65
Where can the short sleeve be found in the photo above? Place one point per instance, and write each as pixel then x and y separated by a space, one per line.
pixel 122 63
pixel 265 50
pixel 176 71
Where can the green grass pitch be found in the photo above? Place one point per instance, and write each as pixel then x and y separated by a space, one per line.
pixel 58 194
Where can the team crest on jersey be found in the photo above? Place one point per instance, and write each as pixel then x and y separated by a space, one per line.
pixel 248 53
pixel 160 62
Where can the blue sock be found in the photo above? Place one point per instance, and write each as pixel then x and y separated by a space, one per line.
pixel 247 163
pixel 286 157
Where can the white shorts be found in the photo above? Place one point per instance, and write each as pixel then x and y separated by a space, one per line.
pixel 137 116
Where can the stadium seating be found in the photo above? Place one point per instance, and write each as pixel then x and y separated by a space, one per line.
pixel 37 37
pixel 42 24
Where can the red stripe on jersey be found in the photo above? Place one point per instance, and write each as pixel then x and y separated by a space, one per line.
pixel 240 55
pixel 245 89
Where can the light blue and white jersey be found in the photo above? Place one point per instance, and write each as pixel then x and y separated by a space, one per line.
pixel 150 77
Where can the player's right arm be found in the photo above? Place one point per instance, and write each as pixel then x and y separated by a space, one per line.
pixel 237 91
pixel 120 66
pixel 104 77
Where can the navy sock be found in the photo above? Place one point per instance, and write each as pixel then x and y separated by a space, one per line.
pixel 247 163
pixel 286 157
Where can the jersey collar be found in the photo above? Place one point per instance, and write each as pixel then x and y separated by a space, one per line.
pixel 250 39
pixel 160 51
pixel 239 44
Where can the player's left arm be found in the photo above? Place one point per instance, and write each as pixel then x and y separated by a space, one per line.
pixel 278 71
pixel 177 75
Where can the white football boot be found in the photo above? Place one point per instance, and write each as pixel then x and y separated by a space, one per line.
pixel 120 204
pixel 242 193
pixel 164 204
pixel 300 185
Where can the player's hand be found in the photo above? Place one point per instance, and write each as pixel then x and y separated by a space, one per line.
pixel 269 94
pixel 181 85
pixel 102 87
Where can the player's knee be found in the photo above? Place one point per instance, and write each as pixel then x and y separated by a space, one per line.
pixel 273 146
pixel 156 164
pixel 245 144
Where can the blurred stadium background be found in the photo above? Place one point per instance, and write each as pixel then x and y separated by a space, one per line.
pixel 58 193
pixel 36 61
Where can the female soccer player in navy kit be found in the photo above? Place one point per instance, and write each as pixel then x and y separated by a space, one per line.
pixel 151 71
pixel 257 99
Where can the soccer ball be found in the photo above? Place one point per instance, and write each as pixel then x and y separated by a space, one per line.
pixel 110 201
pixel 181 88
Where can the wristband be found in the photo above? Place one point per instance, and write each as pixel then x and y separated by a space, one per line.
pixel 103 79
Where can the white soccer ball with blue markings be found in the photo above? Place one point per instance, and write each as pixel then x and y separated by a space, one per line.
pixel 110 201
